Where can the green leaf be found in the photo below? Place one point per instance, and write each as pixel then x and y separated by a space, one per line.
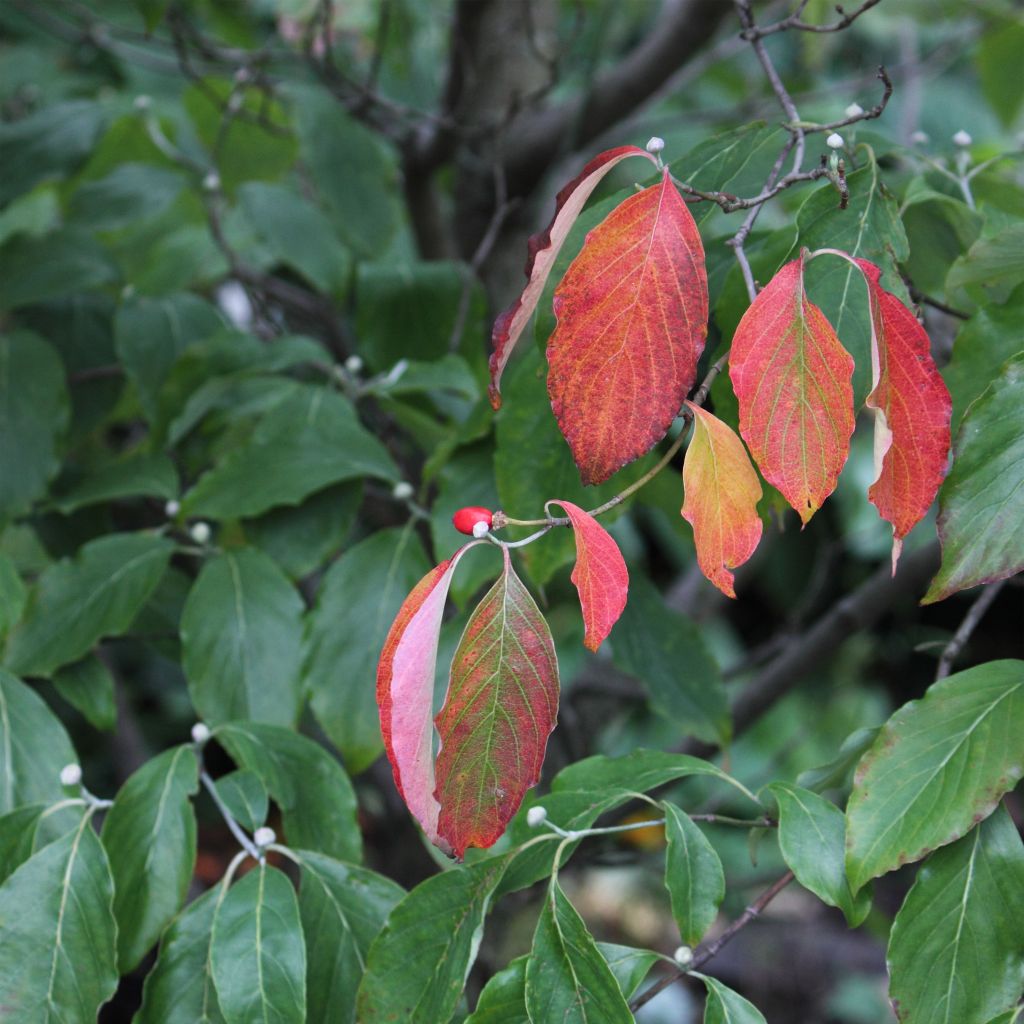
pixel 245 797
pixel 693 875
pixel 991 269
pixel 150 837
pixel 998 61
pixel 567 979
pixel 152 12
pixel 258 954
pixel 130 193
pixel 833 774
pixel 33 747
pixel 57 932
pixel 295 232
pixel 417 966
pixel 33 415
pixel 17 836
pixel 629 966
pixel 77 601
pixel 179 989
pixel 956 949
pixel 503 999
pixel 240 633
pixel 34 214
pixel 727 1007
pixel 140 475
pixel 939 765
pixel 12 596
pixel 44 268
pixel 812 837
pixel 88 686
pixel 667 653
pixel 358 600
pixel 981 502
pixel 343 908
pixel 306 442
pixel 317 803
pixel 940 229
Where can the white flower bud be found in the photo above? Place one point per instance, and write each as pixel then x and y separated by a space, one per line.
pixel 200 732
pixel 536 815
pixel 962 138
pixel 835 141
pixel 655 144
pixel 200 532
pixel 481 529
pixel 919 138
pixel 854 110
pixel 402 491
pixel 264 836
pixel 142 102
pixel 71 775
pixel 242 76
pixel 212 182
pixel 683 956
pixel 354 364
pixel 172 508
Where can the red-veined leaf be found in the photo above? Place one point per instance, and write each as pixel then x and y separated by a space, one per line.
pixel 912 411
pixel 497 716
pixel 542 250
pixel 405 691
pixel 792 379
pixel 632 315
pixel 721 492
pixel 600 574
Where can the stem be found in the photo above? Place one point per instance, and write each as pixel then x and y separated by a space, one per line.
pixel 248 846
pixel 975 614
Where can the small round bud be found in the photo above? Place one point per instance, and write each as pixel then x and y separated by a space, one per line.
pixel 835 141
pixel 919 138
pixel 212 182
pixel 854 110
pixel 235 101
pixel 536 816
pixel 402 491
pixel 466 519
pixel 71 775
pixel 200 532
pixel 172 508
pixel 962 138
pixel 242 76
pixel 127 292
pixel 354 364
pixel 200 732
pixel 264 836
pixel 683 956
pixel 142 102
pixel 655 144
pixel 481 529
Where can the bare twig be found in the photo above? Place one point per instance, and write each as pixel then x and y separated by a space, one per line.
pixel 974 615
pixel 796 22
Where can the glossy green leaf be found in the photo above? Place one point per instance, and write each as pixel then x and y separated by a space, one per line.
pixel 667 653
pixel 33 415
pixel 150 837
pixel 240 632
pixel 727 1007
pixel 693 875
pixel 57 932
pixel 417 966
pixel 956 949
pixel 245 796
pixel 258 953
pixel 45 268
pixel 939 765
pixel 303 444
pixel 179 989
pixel 343 908
pixel 312 790
pixel 567 979
pixel 812 837
pixel 981 502
pixel 358 600
pixel 88 686
pixel 17 836
pixel 146 475
pixel 33 747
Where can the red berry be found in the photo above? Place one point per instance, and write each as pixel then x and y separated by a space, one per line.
pixel 466 518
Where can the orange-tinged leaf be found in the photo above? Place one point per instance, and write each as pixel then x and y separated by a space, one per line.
pixel 632 315
pixel 405 691
pixel 792 380
pixel 912 410
pixel 542 251
pixel 600 574
pixel 721 492
pixel 497 716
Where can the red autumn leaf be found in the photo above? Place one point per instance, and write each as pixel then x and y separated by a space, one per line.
pixel 542 251
pixel 792 379
pixel 721 492
pixel 632 315
pixel 912 411
pixel 405 691
pixel 497 716
pixel 600 574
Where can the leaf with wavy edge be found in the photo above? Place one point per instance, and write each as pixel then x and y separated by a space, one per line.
pixel 721 494
pixel 600 574
pixel 405 691
pixel 542 250
pixel 632 313
pixel 792 376
pixel 497 715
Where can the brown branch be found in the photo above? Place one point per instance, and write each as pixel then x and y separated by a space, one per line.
pixel 974 615
pixel 794 21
